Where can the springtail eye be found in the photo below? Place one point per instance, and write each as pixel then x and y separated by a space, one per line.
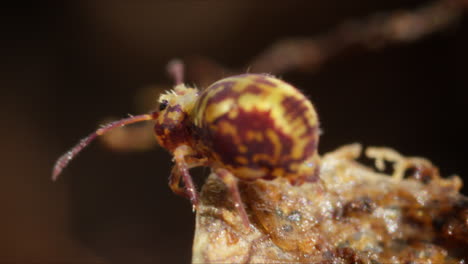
pixel 163 105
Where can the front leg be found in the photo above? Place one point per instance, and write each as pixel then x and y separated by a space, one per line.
pixel 181 170
pixel 174 182
pixel 176 175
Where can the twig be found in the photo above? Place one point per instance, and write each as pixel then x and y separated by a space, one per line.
pixel 375 32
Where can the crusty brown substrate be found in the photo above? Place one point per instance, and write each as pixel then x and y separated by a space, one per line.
pixel 353 215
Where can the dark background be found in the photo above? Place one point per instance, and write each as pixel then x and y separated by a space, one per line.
pixel 66 65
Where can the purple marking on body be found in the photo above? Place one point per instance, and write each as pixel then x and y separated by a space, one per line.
pixel 253 89
pixel 226 92
pixel 223 144
pixel 263 79
pixel 296 108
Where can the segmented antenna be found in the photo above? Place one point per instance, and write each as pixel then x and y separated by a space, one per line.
pixel 63 161
pixel 175 68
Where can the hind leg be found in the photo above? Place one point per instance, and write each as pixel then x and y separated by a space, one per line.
pixel 231 182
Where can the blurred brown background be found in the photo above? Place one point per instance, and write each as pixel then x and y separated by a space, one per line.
pixel 66 65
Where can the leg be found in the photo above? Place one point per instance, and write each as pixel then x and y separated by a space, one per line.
pixel 176 174
pixel 231 182
pixel 174 182
pixel 181 170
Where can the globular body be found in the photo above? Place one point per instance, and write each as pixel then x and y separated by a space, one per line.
pixel 257 126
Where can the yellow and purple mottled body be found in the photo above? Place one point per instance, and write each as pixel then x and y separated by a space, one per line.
pixel 257 126
pixel 245 127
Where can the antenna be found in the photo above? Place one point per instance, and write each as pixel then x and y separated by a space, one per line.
pixel 63 161
pixel 175 68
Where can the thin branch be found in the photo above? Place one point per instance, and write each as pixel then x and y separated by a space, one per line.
pixel 377 31
pixel 373 33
